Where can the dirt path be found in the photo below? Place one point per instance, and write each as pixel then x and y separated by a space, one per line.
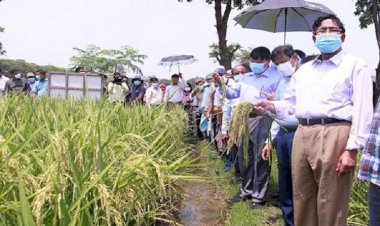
pixel 202 205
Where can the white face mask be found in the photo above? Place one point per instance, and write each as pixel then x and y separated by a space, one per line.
pixel 18 76
pixel 286 69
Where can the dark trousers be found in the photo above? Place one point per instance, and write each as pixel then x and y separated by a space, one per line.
pixel 255 175
pixel 284 143
pixel 231 158
pixel 374 204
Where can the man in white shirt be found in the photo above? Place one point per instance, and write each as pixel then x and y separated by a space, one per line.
pixel 331 98
pixel 3 80
pixel 174 92
pixel 282 132
pixel 153 95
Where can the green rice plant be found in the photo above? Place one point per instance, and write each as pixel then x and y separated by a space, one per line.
pixel 358 205
pixel 85 162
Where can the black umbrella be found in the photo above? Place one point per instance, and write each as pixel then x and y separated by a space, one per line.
pixel 282 16
pixel 177 60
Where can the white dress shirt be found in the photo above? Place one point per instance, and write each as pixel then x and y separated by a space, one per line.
pixel 340 88
pixel 153 96
pixel 174 93
pixel 116 92
pixel 3 80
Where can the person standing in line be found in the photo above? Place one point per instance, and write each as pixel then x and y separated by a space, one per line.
pixel 3 80
pixel 282 131
pixel 138 90
pixel 262 81
pixel 117 89
pixel 41 86
pixel 237 72
pixel 153 95
pixel 174 91
pixel 31 76
pixel 330 96
pixel 17 84
pixel 369 168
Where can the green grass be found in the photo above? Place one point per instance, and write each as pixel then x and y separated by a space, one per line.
pixel 241 214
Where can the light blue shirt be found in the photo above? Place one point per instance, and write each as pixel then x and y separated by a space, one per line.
pixel 249 88
pixel 291 120
pixel 227 108
pixel 252 87
pixel 41 88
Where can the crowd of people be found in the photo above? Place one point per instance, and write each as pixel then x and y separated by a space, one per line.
pixel 317 108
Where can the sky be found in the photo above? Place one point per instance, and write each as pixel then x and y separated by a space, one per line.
pixel 46 31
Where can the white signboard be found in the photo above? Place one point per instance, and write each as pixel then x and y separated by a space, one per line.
pixel 75 85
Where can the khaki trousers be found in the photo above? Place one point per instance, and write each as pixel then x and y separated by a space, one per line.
pixel 320 195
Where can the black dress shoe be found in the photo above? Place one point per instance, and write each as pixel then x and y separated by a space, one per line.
pixel 237 199
pixel 257 205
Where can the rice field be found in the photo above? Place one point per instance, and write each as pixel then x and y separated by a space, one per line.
pixel 84 162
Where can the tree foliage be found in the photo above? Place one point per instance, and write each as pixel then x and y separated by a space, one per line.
pixel 97 60
pixel 226 52
pixel 366 12
pixel 24 67
pixel 239 4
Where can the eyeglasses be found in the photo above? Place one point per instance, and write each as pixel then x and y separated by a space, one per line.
pixel 331 30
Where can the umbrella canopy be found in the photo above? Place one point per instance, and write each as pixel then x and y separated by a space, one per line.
pixel 177 60
pixel 282 15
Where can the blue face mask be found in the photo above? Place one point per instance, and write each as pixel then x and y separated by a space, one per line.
pixel 328 43
pixel 257 68
pixel 137 82
pixel 31 80
pixel 38 77
pixel 238 78
pixel 155 85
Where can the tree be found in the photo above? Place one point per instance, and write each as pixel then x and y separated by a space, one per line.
pixel 237 53
pixel 226 52
pixel 97 60
pixel 24 67
pixel 368 12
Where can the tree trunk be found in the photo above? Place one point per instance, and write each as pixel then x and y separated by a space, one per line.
pixel 221 27
pixel 375 17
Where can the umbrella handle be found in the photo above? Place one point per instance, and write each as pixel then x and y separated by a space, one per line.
pixel 179 70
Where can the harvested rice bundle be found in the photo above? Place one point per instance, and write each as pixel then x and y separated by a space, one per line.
pixel 239 129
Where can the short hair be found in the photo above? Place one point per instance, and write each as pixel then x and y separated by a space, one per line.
pixel 332 17
pixel 78 69
pixel 300 53
pixel 189 85
pixel 284 49
pixel 1 70
pixel 260 53
pixel 309 58
pixel 175 76
pixel 153 79
pixel 13 71
pixel 41 72
pixel 246 65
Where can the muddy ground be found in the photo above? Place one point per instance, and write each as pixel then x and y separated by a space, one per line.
pixel 203 204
